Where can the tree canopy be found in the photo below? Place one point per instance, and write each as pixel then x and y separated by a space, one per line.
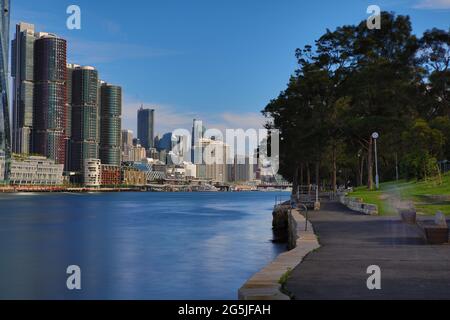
pixel 353 82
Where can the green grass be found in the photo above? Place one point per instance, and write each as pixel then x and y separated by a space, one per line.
pixel 283 282
pixel 416 191
pixel 374 197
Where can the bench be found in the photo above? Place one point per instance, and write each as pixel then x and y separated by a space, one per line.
pixel 435 232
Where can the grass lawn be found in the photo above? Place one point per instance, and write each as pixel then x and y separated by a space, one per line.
pixel 419 192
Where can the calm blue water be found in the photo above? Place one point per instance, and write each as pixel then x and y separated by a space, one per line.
pixel 134 245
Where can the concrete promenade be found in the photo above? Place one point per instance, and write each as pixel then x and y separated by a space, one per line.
pixel 265 284
pixel 351 242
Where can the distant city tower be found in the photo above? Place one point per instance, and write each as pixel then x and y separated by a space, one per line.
pixel 146 129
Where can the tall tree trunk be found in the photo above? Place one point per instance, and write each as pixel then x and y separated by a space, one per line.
pixel 361 171
pixel 317 173
pixel 334 171
pixel 396 167
pixel 301 175
pixel 370 165
pixel 295 183
pixel 308 175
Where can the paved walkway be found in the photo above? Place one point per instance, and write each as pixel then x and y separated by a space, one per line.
pixel 352 242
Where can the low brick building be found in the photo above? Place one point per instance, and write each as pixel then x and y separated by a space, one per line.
pixel 110 175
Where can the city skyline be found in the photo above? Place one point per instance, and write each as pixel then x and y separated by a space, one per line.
pixel 135 163
pixel 62 111
pixel 166 64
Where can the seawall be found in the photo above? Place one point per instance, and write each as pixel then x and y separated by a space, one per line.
pixel 357 204
pixel 266 284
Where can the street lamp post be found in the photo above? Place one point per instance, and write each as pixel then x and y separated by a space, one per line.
pixel 375 137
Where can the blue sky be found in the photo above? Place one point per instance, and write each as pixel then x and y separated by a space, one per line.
pixel 219 60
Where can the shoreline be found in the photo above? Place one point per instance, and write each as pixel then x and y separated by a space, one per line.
pixel 268 283
pixel 15 190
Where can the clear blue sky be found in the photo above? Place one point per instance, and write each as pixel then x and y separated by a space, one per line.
pixel 219 60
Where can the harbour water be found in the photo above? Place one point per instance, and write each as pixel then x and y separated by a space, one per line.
pixel 134 245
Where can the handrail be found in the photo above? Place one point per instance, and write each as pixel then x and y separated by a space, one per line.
pixel 305 209
pixel 279 199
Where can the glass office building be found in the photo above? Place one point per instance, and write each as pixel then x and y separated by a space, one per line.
pixel 22 71
pixel 5 134
pixel 146 122
pixel 50 103
pixel 84 143
pixel 110 124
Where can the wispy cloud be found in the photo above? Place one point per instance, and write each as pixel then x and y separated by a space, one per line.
pixel 250 120
pixel 93 52
pixel 38 18
pixel 169 118
pixel 112 27
pixel 433 4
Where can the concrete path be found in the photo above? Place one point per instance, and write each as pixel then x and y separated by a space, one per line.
pixel 352 242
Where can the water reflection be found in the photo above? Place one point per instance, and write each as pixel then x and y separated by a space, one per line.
pixel 134 245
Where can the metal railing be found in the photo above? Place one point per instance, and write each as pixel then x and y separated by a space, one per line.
pixel 304 208
pixel 444 166
pixel 280 199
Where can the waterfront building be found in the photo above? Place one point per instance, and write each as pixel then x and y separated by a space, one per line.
pixel 92 172
pixel 242 170
pixel 50 97
pixel 2 167
pixel 5 134
pixel 84 141
pixel 153 172
pixel 190 170
pixel 201 171
pixel 131 176
pixel 146 122
pixel 35 171
pixel 22 72
pixel 110 124
pixel 214 166
pixel 177 172
pixel 155 176
pixel 110 175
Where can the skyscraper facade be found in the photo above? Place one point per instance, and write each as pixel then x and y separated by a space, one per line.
pixel 50 97
pixel 22 72
pixel 84 142
pixel 146 122
pixel 5 134
pixel 110 124
pixel 197 135
pixel 165 143
pixel 127 144
pixel 70 68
